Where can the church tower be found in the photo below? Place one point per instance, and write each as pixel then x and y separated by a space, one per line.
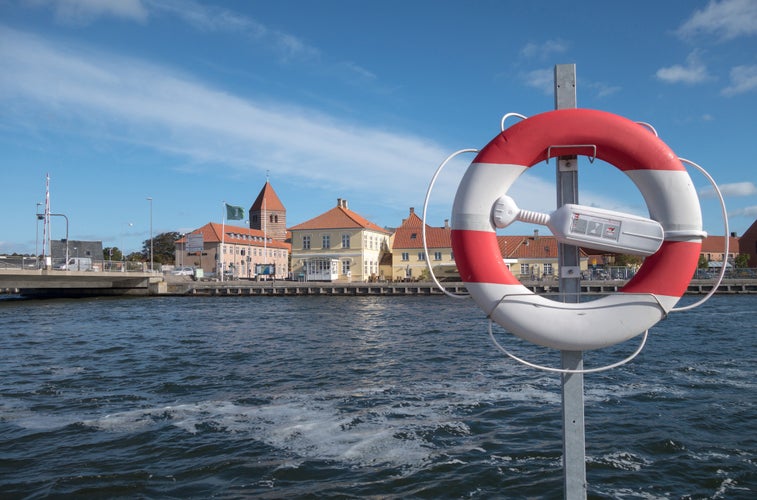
pixel 268 214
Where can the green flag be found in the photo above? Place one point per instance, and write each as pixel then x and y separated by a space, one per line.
pixel 234 213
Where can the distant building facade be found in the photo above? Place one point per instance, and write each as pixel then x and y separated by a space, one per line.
pixel 268 214
pixel 748 244
pixel 409 256
pixel 260 251
pixel 338 245
pixel 241 252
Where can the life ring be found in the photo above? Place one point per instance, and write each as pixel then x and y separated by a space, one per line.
pixel 646 299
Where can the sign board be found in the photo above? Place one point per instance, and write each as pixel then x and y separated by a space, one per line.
pixel 195 242
pixel 265 269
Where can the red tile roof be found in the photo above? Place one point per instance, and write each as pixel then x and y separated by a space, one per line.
pixel 716 244
pixel 211 233
pixel 409 234
pixel 529 247
pixel 338 217
pixel 272 201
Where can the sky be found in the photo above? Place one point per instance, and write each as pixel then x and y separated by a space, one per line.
pixel 196 104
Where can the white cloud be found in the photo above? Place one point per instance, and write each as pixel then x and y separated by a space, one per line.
pixel 543 50
pixel 541 79
pixel 735 189
pixel 726 19
pixel 750 212
pixel 106 95
pixel 81 12
pixel 693 72
pixel 743 79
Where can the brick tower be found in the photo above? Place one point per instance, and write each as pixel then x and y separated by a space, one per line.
pixel 268 214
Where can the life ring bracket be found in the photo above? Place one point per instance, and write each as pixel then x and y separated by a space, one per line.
pixel 592 156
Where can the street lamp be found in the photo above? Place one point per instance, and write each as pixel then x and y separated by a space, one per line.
pixel 36 241
pixel 63 215
pixel 151 260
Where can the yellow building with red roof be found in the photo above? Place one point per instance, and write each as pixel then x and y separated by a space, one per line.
pixel 338 245
pixel 408 255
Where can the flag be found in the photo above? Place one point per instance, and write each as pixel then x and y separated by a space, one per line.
pixel 234 213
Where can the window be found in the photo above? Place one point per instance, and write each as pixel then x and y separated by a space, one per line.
pixel 405 256
pixel 421 256
pixel 345 267
pixel 437 256
pixel 345 241
pixel 326 241
pixel 524 269
pixel 306 242
pixel 548 269
pixel 413 236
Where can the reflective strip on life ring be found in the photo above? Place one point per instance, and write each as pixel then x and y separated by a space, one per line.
pixel 646 299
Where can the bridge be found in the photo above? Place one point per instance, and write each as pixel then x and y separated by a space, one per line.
pixel 55 283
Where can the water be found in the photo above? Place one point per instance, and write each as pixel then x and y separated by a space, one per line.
pixel 358 397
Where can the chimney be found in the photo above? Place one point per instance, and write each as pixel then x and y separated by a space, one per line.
pixel 446 223
pixel 412 210
pixel 536 234
pixel 344 204
pixel 339 202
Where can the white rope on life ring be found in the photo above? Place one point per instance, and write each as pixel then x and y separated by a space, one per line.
pixel 646 299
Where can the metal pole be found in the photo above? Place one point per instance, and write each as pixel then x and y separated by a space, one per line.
pixel 574 447
pixel 64 216
pixel 150 200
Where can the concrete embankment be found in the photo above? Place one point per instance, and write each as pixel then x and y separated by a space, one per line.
pixel 290 288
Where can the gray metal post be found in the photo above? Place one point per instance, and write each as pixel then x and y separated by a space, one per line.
pixel 574 452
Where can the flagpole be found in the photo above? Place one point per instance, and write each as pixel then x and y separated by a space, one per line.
pixel 265 235
pixel 223 237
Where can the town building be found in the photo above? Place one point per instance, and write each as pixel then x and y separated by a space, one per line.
pixel 260 251
pixel 408 262
pixel 338 245
pixel 242 252
pixel 268 214
pixel 748 244
pixel 713 251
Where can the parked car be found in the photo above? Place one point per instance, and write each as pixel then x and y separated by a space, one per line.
pixel 183 271
pixel 77 264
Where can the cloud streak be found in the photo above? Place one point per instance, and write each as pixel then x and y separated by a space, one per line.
pixel 693 72
pixel 735 189
pixel 726 19
pixel 175 114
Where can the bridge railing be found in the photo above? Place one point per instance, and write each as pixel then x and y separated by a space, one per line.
pixel 30 263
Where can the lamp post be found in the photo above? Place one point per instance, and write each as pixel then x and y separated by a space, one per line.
pixel 64 216
pixel 36 240
pixel 123 254
pixel 149 198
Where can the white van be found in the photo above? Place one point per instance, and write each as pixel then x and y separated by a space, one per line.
pixel 77 264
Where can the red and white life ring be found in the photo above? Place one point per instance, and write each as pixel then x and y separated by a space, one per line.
pixel 646 299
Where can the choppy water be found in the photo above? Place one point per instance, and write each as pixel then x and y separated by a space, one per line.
pixel 372 397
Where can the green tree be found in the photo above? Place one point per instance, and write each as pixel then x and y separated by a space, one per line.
pixel 137 256
pixel 703 262
pixel 741 260
pixel 163 248
pixel 112 253
pixel 622 259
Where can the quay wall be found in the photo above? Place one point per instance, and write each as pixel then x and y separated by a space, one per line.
pixel 185 286
pixel 288 288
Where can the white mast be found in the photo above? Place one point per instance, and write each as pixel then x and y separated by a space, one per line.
pixel 46 259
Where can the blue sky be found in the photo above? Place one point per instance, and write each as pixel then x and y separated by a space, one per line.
pixel 194 103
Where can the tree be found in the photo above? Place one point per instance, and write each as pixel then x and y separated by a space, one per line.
pixel 622 259
pixel 112 253
pixel 741 260
pixel 703 262
pixel 163 248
